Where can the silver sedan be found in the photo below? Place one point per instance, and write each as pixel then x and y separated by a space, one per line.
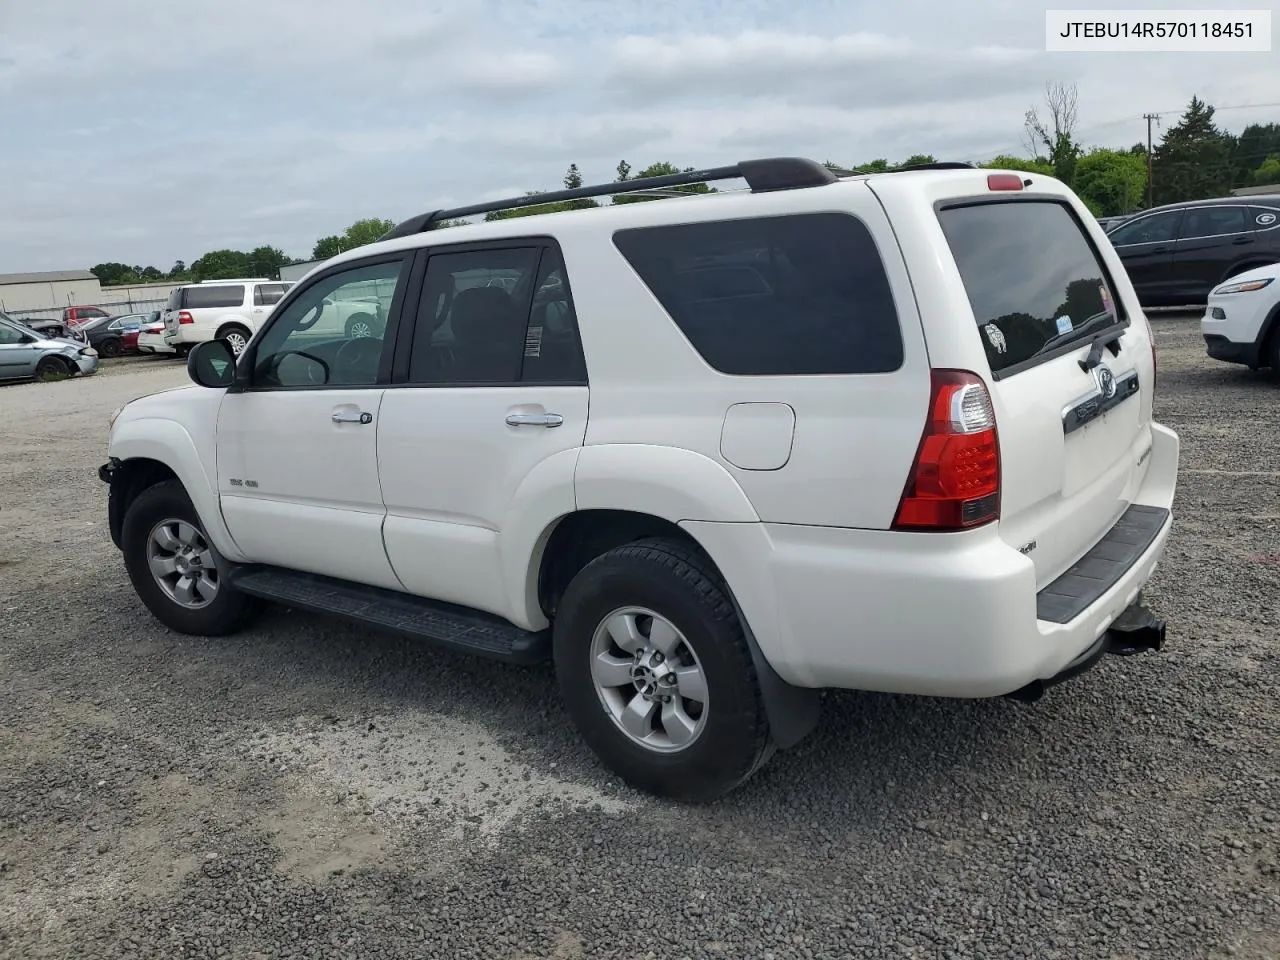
pixel 27 354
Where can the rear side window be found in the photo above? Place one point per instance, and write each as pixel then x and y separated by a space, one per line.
pixel 268 294
pixel 1033 280
pixel 195 298
pixel 773 296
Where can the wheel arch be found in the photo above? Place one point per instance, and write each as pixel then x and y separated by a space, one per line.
pixel 576 539
pixel 150 448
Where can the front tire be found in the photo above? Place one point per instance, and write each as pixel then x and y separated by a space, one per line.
pixel 175 569
pixel 53 368
pixel 656 673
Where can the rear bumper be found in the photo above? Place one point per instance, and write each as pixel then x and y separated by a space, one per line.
pixel 955 615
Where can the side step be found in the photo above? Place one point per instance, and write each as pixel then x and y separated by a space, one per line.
pixel 445 624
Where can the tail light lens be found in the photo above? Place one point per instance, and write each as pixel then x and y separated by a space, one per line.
pixel 185 317
pixel 955 479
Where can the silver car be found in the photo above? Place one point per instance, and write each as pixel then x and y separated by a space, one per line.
pixel 26 354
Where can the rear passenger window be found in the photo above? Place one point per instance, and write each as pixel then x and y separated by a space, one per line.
pixel 773 296
pixel 496 316
pixel 268 294
pixel 1033 280
pixel 1213 222
pixel 213 296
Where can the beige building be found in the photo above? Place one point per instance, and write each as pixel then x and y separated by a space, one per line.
pixel 51 288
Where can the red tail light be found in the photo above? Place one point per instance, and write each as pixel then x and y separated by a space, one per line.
pixel 184 317
pixel 955 480
pixel 1004 181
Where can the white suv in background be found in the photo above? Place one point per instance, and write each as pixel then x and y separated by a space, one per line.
pixel 230 310
pixel 708 455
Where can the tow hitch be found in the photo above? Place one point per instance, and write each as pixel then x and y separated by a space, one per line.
pixel 1136 630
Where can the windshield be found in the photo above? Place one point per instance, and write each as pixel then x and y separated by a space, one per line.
pixel 22 326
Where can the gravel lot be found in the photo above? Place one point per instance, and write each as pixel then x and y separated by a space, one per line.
pixel 305 790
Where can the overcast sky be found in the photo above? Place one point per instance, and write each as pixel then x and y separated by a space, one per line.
pixel 146 131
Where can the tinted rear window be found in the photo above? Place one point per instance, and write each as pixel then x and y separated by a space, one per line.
pixel 773 296
pixel 266 294
pixel 212 296
pixel 1032 277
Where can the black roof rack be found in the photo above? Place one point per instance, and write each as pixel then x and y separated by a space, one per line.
pixel 776 173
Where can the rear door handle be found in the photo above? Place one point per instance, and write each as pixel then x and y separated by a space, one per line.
pixel 534 419
pixel 352 416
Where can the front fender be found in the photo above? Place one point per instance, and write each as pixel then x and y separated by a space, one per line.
pixel 168 442
pixel 667 482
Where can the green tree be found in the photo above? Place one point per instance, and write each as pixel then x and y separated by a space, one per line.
pixel 221 265
pixel 357 235
pixel 327 247
pixel 663 169
pixel 178 271
pixel 875 166
pixel 112 274
pixel 1005 162
pixel 1268 171
pixel 151 274
pixel 1257 143
pixel 267 261
pixel 919 158
pixel 572 177
pixel 1111 182
pixel 624 171
pixel 1194 159
pixel 1054 135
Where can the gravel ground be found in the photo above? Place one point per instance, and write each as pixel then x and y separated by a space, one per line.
pixel 306 790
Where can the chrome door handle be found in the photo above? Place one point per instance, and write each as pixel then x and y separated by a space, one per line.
pixel 352 416
pixel 534 419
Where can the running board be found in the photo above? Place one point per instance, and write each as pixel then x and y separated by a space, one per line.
pixel 444 624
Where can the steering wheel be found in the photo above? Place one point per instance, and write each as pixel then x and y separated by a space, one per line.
pixel 357 354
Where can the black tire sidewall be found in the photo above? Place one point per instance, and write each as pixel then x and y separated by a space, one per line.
pixel 53 366
pixel 160 502
pixel 730 745
pixel 111 347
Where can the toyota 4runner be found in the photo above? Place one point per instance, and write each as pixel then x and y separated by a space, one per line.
pixel 709 455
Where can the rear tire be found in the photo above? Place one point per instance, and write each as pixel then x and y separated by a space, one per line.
pixel 110 347
pixel 236 335
pixel 689 724
pixel 176 570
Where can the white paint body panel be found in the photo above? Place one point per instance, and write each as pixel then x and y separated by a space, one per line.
pixel 1245 312
pixel 467 494
pixel 317 504
pixel 789 483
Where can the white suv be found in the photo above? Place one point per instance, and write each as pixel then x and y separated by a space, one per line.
pixel 228 310
pixel 708 454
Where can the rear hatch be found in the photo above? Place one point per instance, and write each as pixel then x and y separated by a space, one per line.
pixel 1065 353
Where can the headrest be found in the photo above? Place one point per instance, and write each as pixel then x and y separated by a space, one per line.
pixel 482 315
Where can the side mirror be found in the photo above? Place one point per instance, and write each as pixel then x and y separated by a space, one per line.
pixel 212 364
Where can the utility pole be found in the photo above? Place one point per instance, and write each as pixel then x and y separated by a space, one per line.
pixel 1150 164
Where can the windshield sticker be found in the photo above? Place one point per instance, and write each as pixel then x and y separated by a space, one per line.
pixel 996 336
pixel 1265 219
pixel 1064 325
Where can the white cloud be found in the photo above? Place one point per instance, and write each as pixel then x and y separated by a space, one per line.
pixel 148 132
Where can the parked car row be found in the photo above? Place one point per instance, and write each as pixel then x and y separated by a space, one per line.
pixel 26 353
